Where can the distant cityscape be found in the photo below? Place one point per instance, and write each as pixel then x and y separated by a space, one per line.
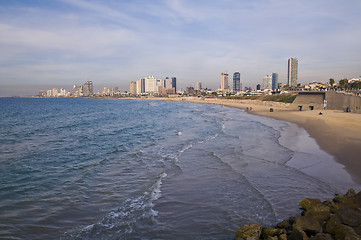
pixel 151 86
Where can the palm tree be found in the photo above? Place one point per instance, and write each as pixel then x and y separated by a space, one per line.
pixel 332 82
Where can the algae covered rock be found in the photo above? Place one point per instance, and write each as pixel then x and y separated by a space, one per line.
pixel 322 217
pixel 339 219
pixel 297 234
pixel 321 236
pixel 307 224
pixel 349 217
pixel 284 225
pixel 249 232
pixel 340 231
pixel 270 232
pixel 310 204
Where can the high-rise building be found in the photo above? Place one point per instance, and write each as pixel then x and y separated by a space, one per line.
pixel 267 82
pixel 54 92
pixel 63 92
pixel 292 72
pixel 133 88
pixel 151 85
pixel 258 87
pixel 198 86
pixel 236 82
pixel 106 91
pixel 274 81
pixel 168 82
pixel 88 89
pixel 141 86
pixel 174 83
pixel 224 81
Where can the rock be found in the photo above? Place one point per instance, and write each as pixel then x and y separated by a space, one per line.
pixel 346 233
pixel 332 224
pixel 339 219
pixel 307 224
pixel 328 203
pixel 321 236
pixel 358 230
pixel 321 217
pixel 349 217
pixel 271 238
pixel 358 199
pixel 310 204
pixel 297 234
pixel 271 232
pixel 282 237
pixel 344 200
pixel 341 202
pixel 249 232
pixel 350 193
pixel 284 225
pixel 340 231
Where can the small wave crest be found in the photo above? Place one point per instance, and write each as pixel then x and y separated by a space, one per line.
pixel 123 219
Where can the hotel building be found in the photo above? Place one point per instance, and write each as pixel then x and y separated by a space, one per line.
pixel 292 72
pixel 224 81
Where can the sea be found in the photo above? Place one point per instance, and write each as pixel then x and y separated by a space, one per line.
pixel 146 169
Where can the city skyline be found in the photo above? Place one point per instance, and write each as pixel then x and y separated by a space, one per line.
pixel 53 44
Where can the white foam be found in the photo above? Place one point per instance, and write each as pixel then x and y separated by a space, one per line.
pixel 156 193
pixel 186 148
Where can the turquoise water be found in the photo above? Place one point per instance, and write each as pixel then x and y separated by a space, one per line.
pixel 132 169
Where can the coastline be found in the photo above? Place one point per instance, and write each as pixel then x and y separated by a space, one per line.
pixel 336 132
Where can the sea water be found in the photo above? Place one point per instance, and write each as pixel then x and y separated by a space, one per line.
pixel 135 169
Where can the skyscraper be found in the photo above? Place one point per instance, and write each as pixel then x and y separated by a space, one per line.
pixel 267 82
pixel 292 72
pixel 152 85
pixel 198 86
pixel 133 88
pixel 141 86
pixel 224 81
pixel 88 89
pixel 236 82
pixel 168 82
pixel 174 83
pixel 274 81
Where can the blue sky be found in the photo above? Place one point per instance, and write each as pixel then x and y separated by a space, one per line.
pixel 58 43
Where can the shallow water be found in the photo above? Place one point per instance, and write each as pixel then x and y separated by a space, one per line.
pixel 128 169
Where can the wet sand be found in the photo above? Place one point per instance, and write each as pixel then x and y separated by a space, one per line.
pixel 336 132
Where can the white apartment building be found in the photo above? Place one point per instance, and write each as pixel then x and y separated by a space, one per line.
pixel 267 82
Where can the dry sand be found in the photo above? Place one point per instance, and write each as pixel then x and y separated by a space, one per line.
pixel 336 132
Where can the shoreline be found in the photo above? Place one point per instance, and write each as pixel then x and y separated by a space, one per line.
pixel 336 132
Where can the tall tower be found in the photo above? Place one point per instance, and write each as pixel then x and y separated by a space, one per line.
pixel 133 88
pixel 292 72
pixel 236 82
pixel 274 81
pixel 224 81
pixel 198 86
pixel 174 83
pixel 267 82
pixel 88 89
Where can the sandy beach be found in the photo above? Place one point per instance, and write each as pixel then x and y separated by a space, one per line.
pixel 336 132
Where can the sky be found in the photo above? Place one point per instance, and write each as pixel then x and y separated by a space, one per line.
pixel 59 43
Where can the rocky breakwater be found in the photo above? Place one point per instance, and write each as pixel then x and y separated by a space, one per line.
pixel 339 218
